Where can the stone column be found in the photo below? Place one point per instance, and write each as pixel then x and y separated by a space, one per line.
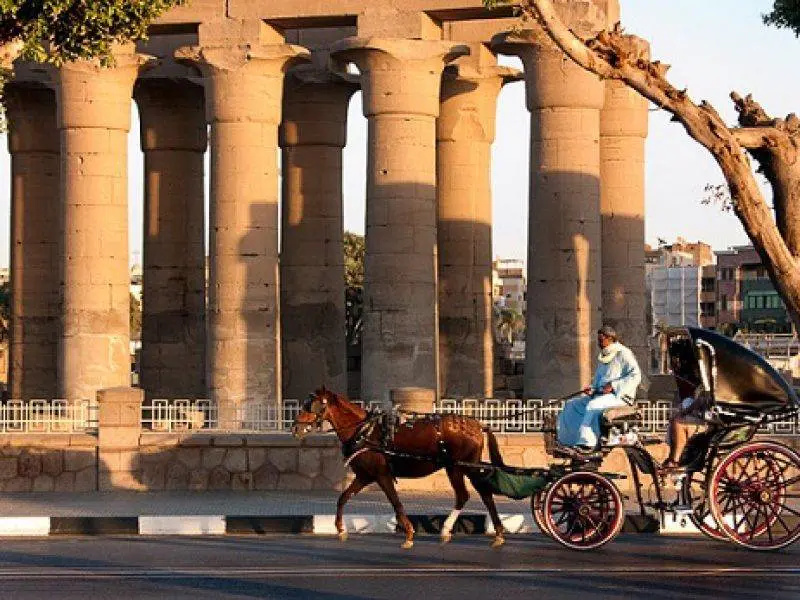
pixel 243 103
pixel 400 81
pixel 173 138
pixel 623 130
pixel 35 241
pixel 312 135
pixel 94 111
pixel 563 296
pixel 464 135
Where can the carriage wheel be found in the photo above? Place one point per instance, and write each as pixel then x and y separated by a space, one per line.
pixel 754 495
pixel 537 509
pixel 694 485
pixel 583 510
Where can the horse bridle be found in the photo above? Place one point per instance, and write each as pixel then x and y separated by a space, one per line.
pixel 319 416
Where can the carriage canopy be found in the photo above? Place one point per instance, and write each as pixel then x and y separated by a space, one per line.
pixel 738 377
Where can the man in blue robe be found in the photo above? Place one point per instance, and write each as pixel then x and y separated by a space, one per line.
pixel 615 382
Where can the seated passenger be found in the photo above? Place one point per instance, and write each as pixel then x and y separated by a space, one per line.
pixel 614 384
pixel 687 421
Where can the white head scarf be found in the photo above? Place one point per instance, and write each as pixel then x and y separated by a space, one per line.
pixel 608 353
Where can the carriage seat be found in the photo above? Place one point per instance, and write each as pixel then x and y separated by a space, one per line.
pixel 619 415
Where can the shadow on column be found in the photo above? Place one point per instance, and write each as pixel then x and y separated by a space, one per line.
pixel 466 331
pixel 257 324
pixel 564 288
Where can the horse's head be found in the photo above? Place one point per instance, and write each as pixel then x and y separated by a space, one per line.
pixel 313 412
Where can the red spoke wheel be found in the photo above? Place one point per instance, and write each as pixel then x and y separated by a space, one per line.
pixel 583 510
pixel 694 490
pixel 755 496
pixel 537 509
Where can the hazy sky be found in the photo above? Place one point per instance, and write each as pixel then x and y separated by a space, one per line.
pixel 714 46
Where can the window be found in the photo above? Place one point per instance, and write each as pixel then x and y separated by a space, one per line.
pixel 707 284
pixel 759 301
pixel 723 302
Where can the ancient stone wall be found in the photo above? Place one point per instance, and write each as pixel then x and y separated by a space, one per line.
pixel 48 463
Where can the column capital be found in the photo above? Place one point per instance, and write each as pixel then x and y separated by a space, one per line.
pixel 91 95
pixel 315 105
pixel 552 79
pixel 398 75
pixel 469 101
pixel 172 114
pixel 31 112
pixel 246 81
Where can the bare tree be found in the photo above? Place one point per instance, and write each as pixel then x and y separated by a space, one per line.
pixel 773 143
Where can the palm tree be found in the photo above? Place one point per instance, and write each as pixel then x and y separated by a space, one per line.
pixel 509 324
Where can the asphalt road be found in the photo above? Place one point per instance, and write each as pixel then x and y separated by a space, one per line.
pixel 373 566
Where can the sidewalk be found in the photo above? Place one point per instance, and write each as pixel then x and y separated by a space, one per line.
pixel 217 513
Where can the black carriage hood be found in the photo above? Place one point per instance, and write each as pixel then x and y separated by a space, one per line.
pixel 743 377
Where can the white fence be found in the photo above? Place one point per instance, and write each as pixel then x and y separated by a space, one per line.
pixel 166 415
pixel 162 415
pixel 48 416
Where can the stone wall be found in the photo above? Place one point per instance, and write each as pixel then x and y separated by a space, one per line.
pixel 238 462
pixel 48 463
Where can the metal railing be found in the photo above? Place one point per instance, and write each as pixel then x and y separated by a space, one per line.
pixel 48 416
pixel 527 416
pixel 501 416
pixel 173 415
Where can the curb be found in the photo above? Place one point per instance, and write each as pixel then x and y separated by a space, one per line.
pixel 322 524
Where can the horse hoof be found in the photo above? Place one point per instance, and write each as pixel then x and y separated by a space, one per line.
pixel 407 544
pixel 342 536
pixel 446 538
pixel 498 542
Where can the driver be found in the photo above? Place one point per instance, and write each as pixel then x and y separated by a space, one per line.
pixel 615 382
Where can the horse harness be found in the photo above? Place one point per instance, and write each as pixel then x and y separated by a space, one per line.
pixel 360 441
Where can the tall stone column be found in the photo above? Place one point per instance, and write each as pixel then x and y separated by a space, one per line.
pixel 400 81
pixel 464 135
pixel 94 111
pixel 243 103
pixel 35 241
pixel 173 138
pixel 623 130
pixel 312 135
pixel 564 292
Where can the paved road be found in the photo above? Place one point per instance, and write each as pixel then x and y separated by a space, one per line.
pixel 655 567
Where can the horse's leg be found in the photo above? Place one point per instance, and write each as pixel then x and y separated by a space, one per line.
pixel 456 477
pixel 488 500
pixel 387 485
pixel 351 490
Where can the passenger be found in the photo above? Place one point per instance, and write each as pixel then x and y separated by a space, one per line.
pixel 687 419
pixel 615 382
pixel 685 423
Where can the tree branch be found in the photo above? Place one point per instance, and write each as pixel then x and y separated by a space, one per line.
pixel 754 138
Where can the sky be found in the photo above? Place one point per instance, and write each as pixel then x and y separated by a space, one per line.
pixel 714 47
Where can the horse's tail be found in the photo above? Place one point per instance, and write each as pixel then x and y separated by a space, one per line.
pixel 494 449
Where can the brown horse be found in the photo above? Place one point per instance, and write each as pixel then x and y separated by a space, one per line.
pixel 440 441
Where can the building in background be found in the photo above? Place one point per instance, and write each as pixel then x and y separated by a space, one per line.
pixel 746 298
pixel 509 287
pixel 708 296
pixel 680 279
pixel 679 254
pixel 675 295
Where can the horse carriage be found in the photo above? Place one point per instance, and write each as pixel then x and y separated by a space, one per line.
pixel 728 484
